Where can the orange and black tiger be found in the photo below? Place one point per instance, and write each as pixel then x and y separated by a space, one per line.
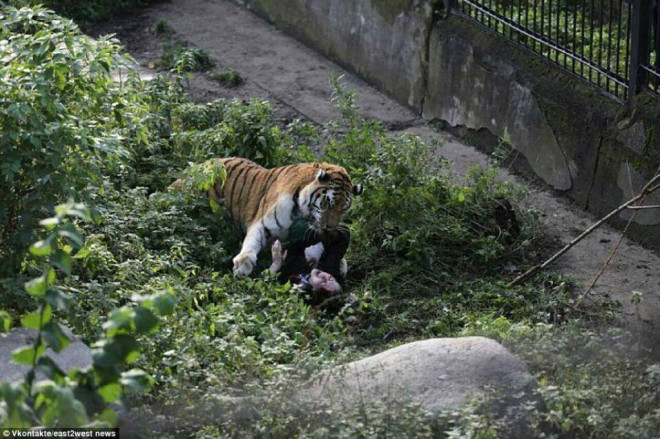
pixel 265 202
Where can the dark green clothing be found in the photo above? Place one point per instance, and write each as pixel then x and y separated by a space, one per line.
pixel 301 236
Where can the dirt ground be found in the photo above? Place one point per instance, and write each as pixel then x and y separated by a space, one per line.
pixel 295 79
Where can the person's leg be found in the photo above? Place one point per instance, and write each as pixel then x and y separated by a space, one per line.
pixel 336 245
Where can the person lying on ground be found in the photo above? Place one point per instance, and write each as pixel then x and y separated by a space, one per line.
pixel 313 262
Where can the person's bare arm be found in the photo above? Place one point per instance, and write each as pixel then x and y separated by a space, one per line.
pixel 278 256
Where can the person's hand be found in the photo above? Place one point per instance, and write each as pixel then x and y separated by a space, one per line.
pixel 278 256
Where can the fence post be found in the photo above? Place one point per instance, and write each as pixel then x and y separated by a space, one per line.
pixel 640 53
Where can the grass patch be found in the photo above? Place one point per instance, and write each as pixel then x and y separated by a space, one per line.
pixel 163 27
pixel 228 78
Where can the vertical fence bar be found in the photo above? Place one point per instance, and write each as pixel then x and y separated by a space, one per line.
pixel 534 24
pixel 617 69
pixel 640 28
pixel 575 26
pixel 628 40
pixel 558 29
pixel 609 43
pixel 601 20
pixel 566 39
pixel 520 8
pixel 656 41
pixel 583 3
pixel 591 39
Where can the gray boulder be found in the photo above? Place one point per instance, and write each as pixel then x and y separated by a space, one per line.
pixel 77 354
pixel 438 374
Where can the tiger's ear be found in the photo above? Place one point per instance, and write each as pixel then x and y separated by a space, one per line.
pixel 357 189
pixel 322 175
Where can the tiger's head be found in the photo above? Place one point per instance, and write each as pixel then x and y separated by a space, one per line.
pixel 326 199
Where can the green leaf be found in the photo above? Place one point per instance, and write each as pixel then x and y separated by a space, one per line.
pixel 43 247
pixel 110 392
pixel 164 303
pixel 32 320
pixel 145 320
pixel 70 232
pixel 136 379
pixel 49 223
pixel 108 417
pixel 122 348
pixel 61 260
pixel 50 369
pixel 5 321
pixel 61 406
pixel 57 299
pixel 122 318
pixel 55 337
pixel 35 320
pixel 38 286
pixel 27 354
pixel 79 210
pixel 103 360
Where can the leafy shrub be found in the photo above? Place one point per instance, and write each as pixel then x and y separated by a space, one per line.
pixel 228 128
pixel 596 381
pixel 229 78
pixel 184 59
pixel 83 11
pixel 80 397
pixel 163 27
pixel 51 80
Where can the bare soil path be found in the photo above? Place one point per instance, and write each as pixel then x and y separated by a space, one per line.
pixel 296 80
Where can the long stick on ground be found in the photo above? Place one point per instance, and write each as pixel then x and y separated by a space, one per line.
pixel 651 186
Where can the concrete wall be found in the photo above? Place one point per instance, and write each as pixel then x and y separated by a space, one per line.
pixel 599 152
pixel 382 41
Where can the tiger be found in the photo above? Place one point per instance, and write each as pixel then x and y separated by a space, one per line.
pixel 265 202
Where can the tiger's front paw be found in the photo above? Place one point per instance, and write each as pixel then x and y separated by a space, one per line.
pixel 244 264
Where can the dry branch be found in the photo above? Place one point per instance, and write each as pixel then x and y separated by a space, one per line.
pixel 647 189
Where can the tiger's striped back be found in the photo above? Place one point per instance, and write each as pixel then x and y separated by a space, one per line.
pixel 249 190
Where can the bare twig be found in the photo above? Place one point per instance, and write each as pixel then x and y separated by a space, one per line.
pixel 647 189
pixel 656 206
pixel 580 299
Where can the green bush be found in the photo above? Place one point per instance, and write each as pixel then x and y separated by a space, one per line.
pixel 52 80
pixel 84 11
pixel 229 78
pixel 79 397
pixel 595 381
pixel 228 128
pixel 184 59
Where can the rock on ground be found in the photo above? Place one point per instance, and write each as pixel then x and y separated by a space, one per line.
pixel 77 354
pixel 440 373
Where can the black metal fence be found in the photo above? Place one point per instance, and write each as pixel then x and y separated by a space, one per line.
pixel 613 44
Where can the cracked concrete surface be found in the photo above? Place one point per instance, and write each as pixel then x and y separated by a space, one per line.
pixel 296 79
